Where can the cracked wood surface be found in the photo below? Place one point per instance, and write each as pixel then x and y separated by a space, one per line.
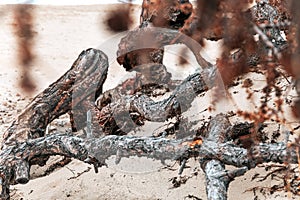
pixel 213 153
pixel 25 142
pixel 85 77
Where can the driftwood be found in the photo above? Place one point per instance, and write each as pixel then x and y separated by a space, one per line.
pixel 147 109
pixel 212 151
pixel 85 77
pixel 81 83
pixel 108 116
pixel 214 148
pixel 100 149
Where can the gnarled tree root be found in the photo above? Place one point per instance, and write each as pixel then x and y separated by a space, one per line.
pixel 82 83
pixel 213 153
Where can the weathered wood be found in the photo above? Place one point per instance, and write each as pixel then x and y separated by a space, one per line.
pixel 22 172
pixel 216 182
pixel 78 86
pixel 163 14
pixel 213 154
pixel 159 148
pixel 75 92
pixel 117 104
pixel 257 154
pixel 84 79
pixel 146 38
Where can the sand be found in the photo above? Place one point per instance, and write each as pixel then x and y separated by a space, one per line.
pixel 61 33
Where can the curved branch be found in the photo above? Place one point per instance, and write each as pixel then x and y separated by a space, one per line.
pixel 150 147
pixel 85 77
pixel 231 154
pixel 116 107
pixel 97 150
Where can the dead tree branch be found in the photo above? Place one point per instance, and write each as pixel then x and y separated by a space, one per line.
pixel 25 143
pixel 217 178
pixel 85 77
pixel 213 154
pixel 115 105
pixel 83 82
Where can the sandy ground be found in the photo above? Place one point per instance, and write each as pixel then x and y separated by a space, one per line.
pixel 61 33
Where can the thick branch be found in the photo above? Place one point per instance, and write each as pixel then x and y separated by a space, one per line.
pixel 151 147
pixel 230 154
pixel 83 80
pixel 120 106
pixel 218 179
pixel 97 150
pixel 81 84
pixel 179 101
pixel 216 182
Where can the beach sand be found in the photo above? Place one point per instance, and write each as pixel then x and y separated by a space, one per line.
pixel 61 33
